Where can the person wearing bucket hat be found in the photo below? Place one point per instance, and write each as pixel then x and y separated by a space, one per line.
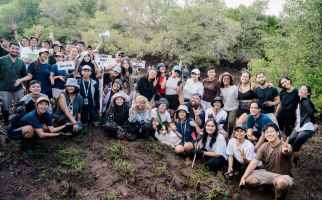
pixel 172 89
pixel 108 94
pixel 56 47
pixel 69 107
pixel 192 85
pixel 31 124
pixel 146 85
pixel 57 77
pixel 40 71
pixel 218 114
pixel 89 90
pixel 116 116
pixel 185 127
pixel 240 152
pixel 160 115
pixel 229 92
pixel 211 88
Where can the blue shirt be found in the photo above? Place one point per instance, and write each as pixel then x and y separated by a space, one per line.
pixel 36 121
pixel 41 75
pixel 59 84
pixel 259 123
pixel 186 131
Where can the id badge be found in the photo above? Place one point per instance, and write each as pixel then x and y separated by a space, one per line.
pixel 85 101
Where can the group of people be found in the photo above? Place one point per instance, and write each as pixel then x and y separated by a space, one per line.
pixel 252 128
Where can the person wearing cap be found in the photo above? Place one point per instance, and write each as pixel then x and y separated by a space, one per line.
pixel 240 151
pixel 69 106
pixel 4 46
pixel 146 85
pixel 12 74
pixel 85 59
pixel 56 47
pixel 140 124
pixel 108 94
pixel 218 114
pixel 40 71
pixel 211 88
pixel 184 128
pixel 160 115
pixel 128 72
pixel 172 89
pixel 116 116
pixel 193 85
pixel 110 77
pixel 37 122
pixel 29 54
pixel 90 93
pixel 57 77
pixel 229 92
pixel 161 77
pixel 212 147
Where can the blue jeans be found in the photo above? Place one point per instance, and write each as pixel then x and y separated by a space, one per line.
pixel 297 139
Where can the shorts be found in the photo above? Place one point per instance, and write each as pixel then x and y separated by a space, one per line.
pixel 15 134
pixel 268 178
pixel 56 92
pixel 173 101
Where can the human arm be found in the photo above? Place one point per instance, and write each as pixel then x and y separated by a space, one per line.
pixel 260 142
pixel 15 32
pixel 25 78
pixel 63 106
pixel 230 163
pixel 57 129
pixel 42 134
pixel 252 165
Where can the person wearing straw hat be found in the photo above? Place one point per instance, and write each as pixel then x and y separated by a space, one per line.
pixel 37 122
pixel 218 114
pixel 69 106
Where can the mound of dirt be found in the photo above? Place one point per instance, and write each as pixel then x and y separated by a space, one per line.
pixel 93 166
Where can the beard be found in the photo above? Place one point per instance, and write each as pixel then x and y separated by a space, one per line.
pixel 262 82
pixel 14 55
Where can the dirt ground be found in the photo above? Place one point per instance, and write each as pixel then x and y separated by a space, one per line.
pixel 94 166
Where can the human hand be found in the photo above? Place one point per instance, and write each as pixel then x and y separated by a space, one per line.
pixel 199 152
pixel 18 81
pixel 14 26
pixel 197 112
pixel 242 153
pixel 192 123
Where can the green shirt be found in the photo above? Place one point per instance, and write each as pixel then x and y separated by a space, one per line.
pixel 10 72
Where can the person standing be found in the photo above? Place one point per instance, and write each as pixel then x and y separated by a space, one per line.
pixel 211 88
pixel 12 73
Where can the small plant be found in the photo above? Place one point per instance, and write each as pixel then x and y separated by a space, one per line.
pixel 116 151
pixel 200 174
pixel 215 193
pixel 161 169
pixel 126 169
pixel 153 147
pixel 110 196
pixel 71 161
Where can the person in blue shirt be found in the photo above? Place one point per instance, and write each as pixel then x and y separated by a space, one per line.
pixel 257 120
pixel 38 122
pixel 40 70
pixel 184 128
pixel 58 77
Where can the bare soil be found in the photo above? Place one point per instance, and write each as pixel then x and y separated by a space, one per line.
pixel 94 166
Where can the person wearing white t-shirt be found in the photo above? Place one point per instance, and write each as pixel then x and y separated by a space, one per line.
pixel 193 85
pixel 212 147
pixel 32 49
pixel 240 152
pixel 218 114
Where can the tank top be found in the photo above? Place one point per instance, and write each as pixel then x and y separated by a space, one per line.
pixel 249 95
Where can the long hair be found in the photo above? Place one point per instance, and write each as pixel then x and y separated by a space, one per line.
pixel 205 134
pixel 123 69
pixel 37 64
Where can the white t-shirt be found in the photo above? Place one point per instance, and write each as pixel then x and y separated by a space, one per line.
pixel 230 96
pixel 191 87
pixel 25 51
pixel 222 115
pixel 234 150
pixel 171 86
pixel 218 147
pixel 165 117
pixel 309 126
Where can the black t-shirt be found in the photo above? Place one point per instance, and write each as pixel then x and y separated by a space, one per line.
pixel 3 52
pixel 146 88
pixel 266 94
pixel 289 100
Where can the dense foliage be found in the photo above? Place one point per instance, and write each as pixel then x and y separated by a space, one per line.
pixel 205 31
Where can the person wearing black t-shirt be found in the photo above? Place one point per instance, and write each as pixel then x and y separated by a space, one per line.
pixel 267 96
pixel 4 47
pixel 147 84
pixel 285 111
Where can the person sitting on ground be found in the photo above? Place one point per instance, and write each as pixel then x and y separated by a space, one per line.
pixel 27 102
pixel 256 120
pixel 305 122
pixel 218 114
pixel 69 106
pixel 140 124
pixel 37 122
pixel 276 156
pixel 240 152
pixel 116 117
pixel 212 147
pixel 90 93
pixel 108 93
pixel 185 127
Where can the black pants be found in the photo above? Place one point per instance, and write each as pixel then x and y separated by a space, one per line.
pixel 286 121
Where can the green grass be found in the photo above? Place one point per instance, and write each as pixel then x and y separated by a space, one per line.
pixel 155 148
pixel 110 196
pixel 216 192
pixel 126 170
pixel 201 173
pixel 161 169
pixel 71 161
pixel 117 151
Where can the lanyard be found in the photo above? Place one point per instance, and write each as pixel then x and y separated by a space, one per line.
pixel 86 90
